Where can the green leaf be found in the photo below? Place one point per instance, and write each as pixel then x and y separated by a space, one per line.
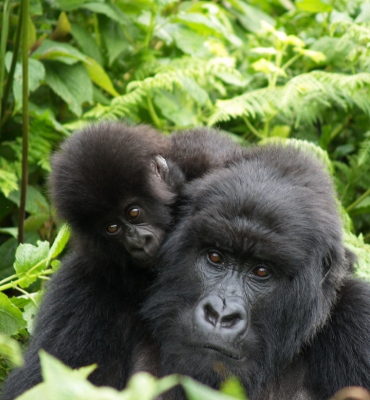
pixel 100 77
pixel 62 29
pixel 10 231
pixel 72 83
pixel 35 7
pixel 11 320
pixel 233 387
pixel 362 250
pixel 30 257
pixel 110 10
pixel 195 391
pixel 35 201
pixel 267 67
pixel 57 51
pixel 7 257
pixel 36 73
pixel 30 311
pixel 281 131
pixel 10 349
pixel 87 43
pixel 34 222
pixel 187 40
pixel 314 6
pixel 172 109
pixel 67 5
pixel 194 90
pixel 113 37
pixel 6 206
pixel 59 242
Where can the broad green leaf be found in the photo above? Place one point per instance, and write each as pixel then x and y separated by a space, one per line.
pixel 100 77
pixel 67 5
pixel 187 40
pixel 34 222
pixel 110 10
pixel 6 205
pixel 30 311
pixel 10 349
pixel 35 201
pixel 63 27
pixel 264 50
pixel 72 83
pixel 194 90
pixel 267 67
pixel 39 392
pixel 20 301
pixel 7 257
pixel 233 388
pixel 281 131
pixel 10 231
pixel 364 15
pixel 113 37
pixel 59 242
pixel 313 6
pixel 87 43
pixel 57 51
pixel 32 258
pixel 36 73
pixel 35 7
pixel 250 17
pixel 171 108
pixel 195 391
pixel 11 320
pixel 316 56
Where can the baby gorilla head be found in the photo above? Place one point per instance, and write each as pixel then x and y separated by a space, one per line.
pixel 108 184
pixel 250 273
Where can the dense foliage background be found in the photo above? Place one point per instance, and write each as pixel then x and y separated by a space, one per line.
pixel 257 69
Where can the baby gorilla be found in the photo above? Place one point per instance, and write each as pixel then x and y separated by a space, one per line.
pixel 112 185
pixel 254 282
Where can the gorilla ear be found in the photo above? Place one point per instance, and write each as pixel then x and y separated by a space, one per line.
pixel 159 167
pixel 326 266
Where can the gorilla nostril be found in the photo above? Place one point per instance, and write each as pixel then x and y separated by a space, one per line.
pixel 228 321
pixel 210 315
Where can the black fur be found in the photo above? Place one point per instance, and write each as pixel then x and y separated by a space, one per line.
pixel 303 331
pixel 90 311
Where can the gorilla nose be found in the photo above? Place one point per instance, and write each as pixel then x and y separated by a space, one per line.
pixel 224 318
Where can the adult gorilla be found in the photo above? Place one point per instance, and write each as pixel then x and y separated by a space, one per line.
pixel 254 283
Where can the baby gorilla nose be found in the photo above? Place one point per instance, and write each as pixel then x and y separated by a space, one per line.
pixel 143 244
pixel 221 318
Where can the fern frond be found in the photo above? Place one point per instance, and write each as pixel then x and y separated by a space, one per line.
pixel 304 97
pixel 167 77
pixel 363 157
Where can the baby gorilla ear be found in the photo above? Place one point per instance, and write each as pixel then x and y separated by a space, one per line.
pixel 159 167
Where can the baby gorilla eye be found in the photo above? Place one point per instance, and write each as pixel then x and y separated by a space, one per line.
pixel 261 272
pixel 133 213
pixel 215 257
pixel 113 229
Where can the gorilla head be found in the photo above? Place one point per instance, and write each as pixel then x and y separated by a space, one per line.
pixel 249 275
pixel 108 183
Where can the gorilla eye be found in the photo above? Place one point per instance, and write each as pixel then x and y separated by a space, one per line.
pixel 113 229
pixel 261 272
pixel 133 212
pixel 215 257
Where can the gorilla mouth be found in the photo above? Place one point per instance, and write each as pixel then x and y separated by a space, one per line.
pixel 221 350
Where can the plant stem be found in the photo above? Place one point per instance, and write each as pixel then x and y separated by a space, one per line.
pixel 4 37
pixel 251 127
pixel 358 201
pixel 291 61
pixel 9 81
pixel 25 134
pixel 152 112
pixel 150 30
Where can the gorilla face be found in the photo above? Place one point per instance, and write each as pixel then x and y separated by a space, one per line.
pixel 249 275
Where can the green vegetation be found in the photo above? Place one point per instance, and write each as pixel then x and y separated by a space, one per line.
pixel 260 70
